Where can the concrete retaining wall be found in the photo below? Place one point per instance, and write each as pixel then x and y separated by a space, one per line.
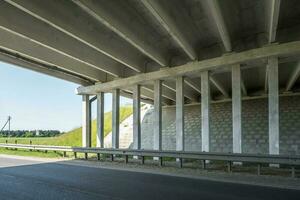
pixel 254 127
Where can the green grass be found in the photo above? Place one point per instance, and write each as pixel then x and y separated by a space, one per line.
pixel 71 138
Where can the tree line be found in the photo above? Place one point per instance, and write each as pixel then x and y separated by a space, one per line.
pixel 30 133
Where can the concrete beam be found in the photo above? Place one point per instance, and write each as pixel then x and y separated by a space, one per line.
pixel 137 117
pixel 236 109
pixel 205 111
pixel 122 27
pixel 19 61
pixel 215 11
pixel 180 113
pixel 157 121
pixel 273 105
pixel 219 87
pixel 69 24
pixel 86 121
pixel 170 26
pixel 115 118
pixel 25 47
pixel 100 120
pixel 56 40
pixel 273 8
pixel 277 50
pixel 244 89
pixel 293 78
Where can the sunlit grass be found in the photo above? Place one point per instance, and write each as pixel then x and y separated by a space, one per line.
pixel 71 138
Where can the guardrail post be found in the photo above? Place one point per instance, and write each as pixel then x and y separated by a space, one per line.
pixel 98 156
pixel 229 166
pixel 258 169
pixel 293 172
pixel 6 141
pixel 64 154
pixel 126 159
pixel 204 164
pixel 16 142
pixel 30 142
pixel 160 161
pixel 143 160
pixel 112 157
pixel 179 161
pixel 86 156
pixel 75 155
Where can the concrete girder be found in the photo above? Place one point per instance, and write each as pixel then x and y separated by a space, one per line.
pixel 273 8
pixel 169 25
pixel 55 40
pixel 24 46
pixel 33 65
pixel 219 86
pixel 293 78
pixel 216 13
pixel 284 49
pixel 74 28
pixel 122 28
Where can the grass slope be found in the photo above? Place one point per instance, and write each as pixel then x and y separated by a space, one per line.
pixel 73 138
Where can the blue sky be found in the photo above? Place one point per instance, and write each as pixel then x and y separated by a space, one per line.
pixel 37 101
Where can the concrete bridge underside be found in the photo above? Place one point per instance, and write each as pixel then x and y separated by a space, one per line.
pixel 161 52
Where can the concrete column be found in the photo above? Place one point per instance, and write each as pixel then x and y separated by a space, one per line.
pixel 180 113
pixel 273 106
pixel 86 121
pixel 100 120
pixel 157 125
pixel 137 117
pixel 115 118
pixel 205 108
pixel 236 109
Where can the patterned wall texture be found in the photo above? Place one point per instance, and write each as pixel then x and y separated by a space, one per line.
pixel 254 127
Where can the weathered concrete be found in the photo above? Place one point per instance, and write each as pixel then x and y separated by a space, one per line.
pixel 137 117
pixel 273 106
pixel 115 118
pixel 180 113
pixel 157 129
pixel 100 120
pixel 236 109
pixel 86 121
pixel 205 110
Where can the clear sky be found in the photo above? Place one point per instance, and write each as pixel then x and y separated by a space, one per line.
pixel 37 101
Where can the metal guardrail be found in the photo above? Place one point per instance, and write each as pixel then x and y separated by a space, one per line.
pixel 259 159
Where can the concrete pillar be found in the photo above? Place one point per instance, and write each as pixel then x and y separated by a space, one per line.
pixel 180 113
pixel 205 108
pixel 86 121
pixel 236 109
pixel 100 120
pixel 273 106
pixel 137 117
pixel 157 122
pixel 115 118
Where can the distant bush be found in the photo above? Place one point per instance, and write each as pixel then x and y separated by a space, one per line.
pixel 28 133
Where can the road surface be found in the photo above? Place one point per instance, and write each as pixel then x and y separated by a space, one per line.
pixel 29 179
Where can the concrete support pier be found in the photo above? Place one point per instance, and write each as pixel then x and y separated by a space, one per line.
pixel 100 120
pixel 273 105
pixel 205 108
pixel 86 121
pixel 157 126
pixel 115 118
pixel 236 109
pixel 180 113
pixel 137 117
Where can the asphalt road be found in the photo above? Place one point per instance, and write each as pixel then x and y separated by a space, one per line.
pixel 25 179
